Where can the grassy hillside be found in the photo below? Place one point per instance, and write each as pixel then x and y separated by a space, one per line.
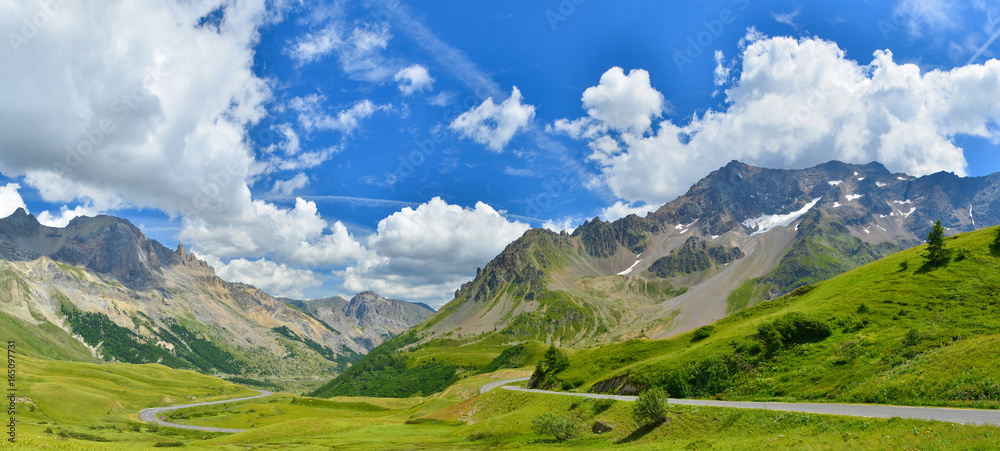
pixel 503 419
pixel 823 249
pixel 43 340
pixel 893 331
pixel 89 404
pixel 84 406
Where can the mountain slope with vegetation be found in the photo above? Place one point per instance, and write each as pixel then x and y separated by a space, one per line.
pixel 100 290
pixel 739 237
pixel 900 330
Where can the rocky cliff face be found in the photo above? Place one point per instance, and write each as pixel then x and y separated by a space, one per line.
pixel 368 319
pixel 103 244
pixel 739 236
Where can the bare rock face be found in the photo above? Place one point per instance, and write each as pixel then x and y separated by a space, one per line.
pixel 103 244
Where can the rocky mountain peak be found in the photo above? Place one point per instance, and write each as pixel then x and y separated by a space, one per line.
pixel 367 318
pixel 104 244
pixel 366 296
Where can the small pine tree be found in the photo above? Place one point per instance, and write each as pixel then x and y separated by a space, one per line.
pixel 936 253
pixel 996 241
pixel 650 407
pixel 555 360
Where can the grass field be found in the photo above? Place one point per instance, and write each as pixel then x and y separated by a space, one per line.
pixel 461 419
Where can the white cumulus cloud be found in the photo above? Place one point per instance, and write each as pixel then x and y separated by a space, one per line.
pixel 413 79
pixel 624 102
pixel 558 225
pixel 287 187
pixel 297 235
pixel 274 278
pixel 621 209
pixel 797 103
pixel 428 252
pixel 168 99
pixel 66 215
pixel 494 125
pixel 10 200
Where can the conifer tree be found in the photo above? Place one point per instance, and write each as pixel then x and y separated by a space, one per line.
pixel 936 253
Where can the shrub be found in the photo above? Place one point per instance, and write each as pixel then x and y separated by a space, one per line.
pixel 562 428
pixel 598 406
pixel 912 337
pixel 702 333
pixel 790 329
pixel 650 407
pixel 996 241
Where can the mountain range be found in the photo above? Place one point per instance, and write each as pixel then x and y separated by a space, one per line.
pixel 740 236
pixel 100 289
pixel 368 319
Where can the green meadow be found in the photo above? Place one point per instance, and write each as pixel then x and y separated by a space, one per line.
pixel 103 417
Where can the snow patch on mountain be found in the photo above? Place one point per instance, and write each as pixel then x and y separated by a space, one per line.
pixel 630 268
pixel 763 223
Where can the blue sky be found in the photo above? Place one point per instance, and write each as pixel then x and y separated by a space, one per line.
pixel 325 148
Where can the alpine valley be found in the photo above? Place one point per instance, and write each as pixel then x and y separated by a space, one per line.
pixel 99 290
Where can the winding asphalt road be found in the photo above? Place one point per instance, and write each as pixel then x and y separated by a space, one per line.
pixel 960 416
pixel 500 383
pixel 150 415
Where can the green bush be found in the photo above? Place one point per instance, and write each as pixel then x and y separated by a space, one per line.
pixel 650 407
pixel 596 407
pixel 560 427
pixel 791 329
pixel 702 333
